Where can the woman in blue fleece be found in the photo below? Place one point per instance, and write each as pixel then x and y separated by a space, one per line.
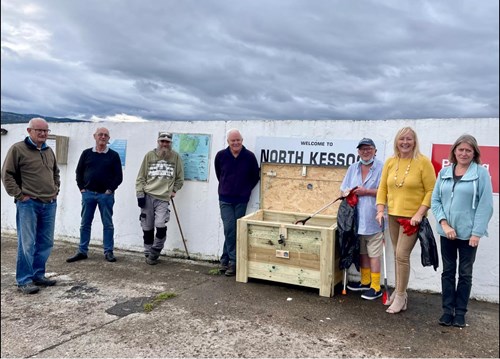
pixel 462 202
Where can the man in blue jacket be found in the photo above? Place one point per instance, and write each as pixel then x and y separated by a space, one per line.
pixel 238 172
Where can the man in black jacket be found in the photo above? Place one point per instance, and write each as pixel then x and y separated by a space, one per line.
pixel 238 172
pixel 98 175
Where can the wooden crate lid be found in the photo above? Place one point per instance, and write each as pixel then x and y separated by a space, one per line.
pixel 298 188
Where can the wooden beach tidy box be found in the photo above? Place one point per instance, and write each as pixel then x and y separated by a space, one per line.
pixel 271 246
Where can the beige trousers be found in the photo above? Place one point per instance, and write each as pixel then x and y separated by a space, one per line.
pixel 402 245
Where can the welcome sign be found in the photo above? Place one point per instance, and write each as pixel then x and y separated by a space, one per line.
pixel 310 151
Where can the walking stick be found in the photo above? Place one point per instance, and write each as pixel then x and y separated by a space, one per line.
pixel 180 229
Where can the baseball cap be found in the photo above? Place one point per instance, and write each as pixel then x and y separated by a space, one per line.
pixel 165 136
pixel 366 142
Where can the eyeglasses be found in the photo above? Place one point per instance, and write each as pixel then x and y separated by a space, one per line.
pixel 366 149
pixel 165 141
pixel 102 134
pixel 40 130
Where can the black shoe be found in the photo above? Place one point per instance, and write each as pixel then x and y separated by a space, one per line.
pixel 459 321
pixel 152 258
pixel 357 286
pixel 223 268
pixel 151 261
pixel 29 288
pixel 77 257
pixel 44 282
pixel 446 320
pixel 371 294
pixel 109 256
pixel 231 270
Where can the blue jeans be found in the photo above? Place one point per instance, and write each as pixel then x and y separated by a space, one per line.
pixel 90 200
pixel 456 297
pixel 35 223
pixel 230 212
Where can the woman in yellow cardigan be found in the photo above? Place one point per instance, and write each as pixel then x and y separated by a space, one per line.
pixel 405 189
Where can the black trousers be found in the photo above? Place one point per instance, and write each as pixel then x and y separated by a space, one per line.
pixel 455 296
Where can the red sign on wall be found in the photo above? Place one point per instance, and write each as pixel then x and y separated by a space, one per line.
pixel 489 160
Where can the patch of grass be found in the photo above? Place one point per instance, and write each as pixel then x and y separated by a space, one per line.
pixel 214 271
pixel 148 307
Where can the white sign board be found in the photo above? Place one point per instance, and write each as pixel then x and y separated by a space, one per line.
pixel 317 152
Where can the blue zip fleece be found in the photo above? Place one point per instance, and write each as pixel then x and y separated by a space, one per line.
pixel 237 175
pixel 467 207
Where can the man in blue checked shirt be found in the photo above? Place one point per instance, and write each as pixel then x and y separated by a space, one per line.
pixel 365 174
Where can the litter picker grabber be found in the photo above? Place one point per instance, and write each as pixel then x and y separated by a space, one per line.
pixel 180 229
pixel 386 295
pixel 344 291
pixel 303 221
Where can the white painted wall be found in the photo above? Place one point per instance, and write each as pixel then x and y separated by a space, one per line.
pixel 197 202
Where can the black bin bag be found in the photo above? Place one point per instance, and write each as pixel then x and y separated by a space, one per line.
pixel 347 234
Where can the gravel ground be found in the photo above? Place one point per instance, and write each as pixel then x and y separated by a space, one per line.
pixel 97 309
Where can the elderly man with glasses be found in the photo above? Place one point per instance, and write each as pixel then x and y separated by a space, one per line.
pixel 98 175
pixel 30 174
pixel 365 176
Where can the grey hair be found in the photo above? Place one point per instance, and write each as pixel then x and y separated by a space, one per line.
pixel 34 119
pixel 233 130
pixel 99 129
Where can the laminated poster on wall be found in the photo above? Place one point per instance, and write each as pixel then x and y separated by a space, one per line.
pixel 119 146
pixel 194 149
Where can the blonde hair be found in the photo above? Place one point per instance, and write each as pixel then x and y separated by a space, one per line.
pixel 471 141
pixel 404 131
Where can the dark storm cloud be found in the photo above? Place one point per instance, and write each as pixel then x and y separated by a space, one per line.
pixel 217 59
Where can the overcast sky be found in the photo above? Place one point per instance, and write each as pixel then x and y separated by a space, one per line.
pixel 243 60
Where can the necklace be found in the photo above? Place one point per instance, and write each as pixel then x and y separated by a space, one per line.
pixel 404 177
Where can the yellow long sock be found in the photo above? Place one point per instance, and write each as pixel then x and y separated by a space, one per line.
pixel 375 282
pixel 366 276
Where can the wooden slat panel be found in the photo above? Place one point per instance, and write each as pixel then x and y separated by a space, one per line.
pixel 242 251
pixel 256 216
pixel 278 218
pixel 326 264
pixel 304 240
pixel 284 274
pixel 296 259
